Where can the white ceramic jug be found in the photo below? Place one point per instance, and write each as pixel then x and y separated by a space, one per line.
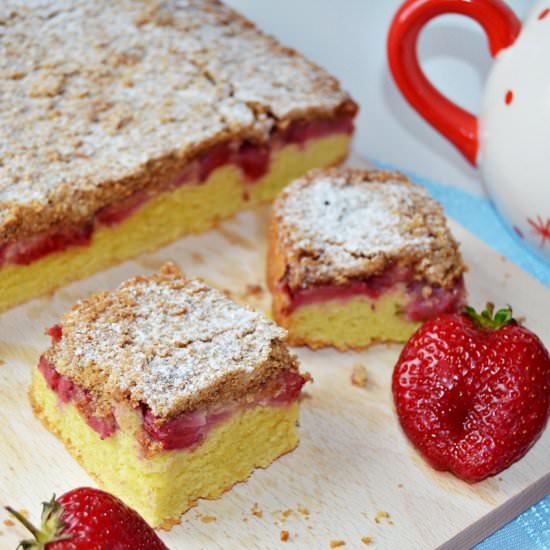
pixel 510 139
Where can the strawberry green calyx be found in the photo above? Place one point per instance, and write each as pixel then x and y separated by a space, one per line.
pixel 488 319
pixel 51 529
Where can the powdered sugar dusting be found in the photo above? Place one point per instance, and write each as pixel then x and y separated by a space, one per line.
pixel 352 220
pixel 339 225
pixel 162 341
pixel 94 90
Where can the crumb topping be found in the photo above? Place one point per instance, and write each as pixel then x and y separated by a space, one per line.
pixel 99 97
pixel 167 342
pixel 339 225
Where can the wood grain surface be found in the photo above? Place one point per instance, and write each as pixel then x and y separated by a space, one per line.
pixel 353 464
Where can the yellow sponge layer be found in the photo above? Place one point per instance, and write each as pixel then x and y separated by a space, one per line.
pixel 351 324
pixel 189 209
pixel 165 485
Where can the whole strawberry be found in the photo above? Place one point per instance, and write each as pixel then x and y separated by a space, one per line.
pixel 89 519
pixel 472 392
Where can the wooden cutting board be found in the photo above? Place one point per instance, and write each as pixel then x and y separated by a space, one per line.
pixel 353 464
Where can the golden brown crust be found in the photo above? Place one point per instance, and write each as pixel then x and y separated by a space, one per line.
pixel 337 226
pixel 100 113
pixel 170 343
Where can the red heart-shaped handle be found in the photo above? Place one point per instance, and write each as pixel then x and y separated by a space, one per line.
pixel 458 125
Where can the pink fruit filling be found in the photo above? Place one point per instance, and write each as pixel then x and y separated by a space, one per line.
pixel 423 301
pixel 183 431
pixel 252 159
pixel 25 251
pixel 423 305
pixel 68 392
pixel 189 429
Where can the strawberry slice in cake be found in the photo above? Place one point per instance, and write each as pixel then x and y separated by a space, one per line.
pixel 360 256
pixel 166 391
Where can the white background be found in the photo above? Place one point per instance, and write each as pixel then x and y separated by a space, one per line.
pixel 348 37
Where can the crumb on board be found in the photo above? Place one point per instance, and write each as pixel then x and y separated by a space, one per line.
pixel 8 523
pixel 400 486
pixel 2 362
pixel 284 536
pixel 256 511
pixel 359 376
pixel 208 519
pixel 253 290
pixel 282 515
pixel 286 513
pixel 381 515
pixel 337 543
pixel 24 513
pixel 303 510
pixel 366 540
pixel 197 258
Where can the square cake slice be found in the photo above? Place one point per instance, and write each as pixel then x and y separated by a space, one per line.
pixel 360 256
pixel 166 391
pixel 128 124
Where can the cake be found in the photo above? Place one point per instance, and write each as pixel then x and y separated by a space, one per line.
pixel 166 391
pixel 359 256
pixel 128 124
